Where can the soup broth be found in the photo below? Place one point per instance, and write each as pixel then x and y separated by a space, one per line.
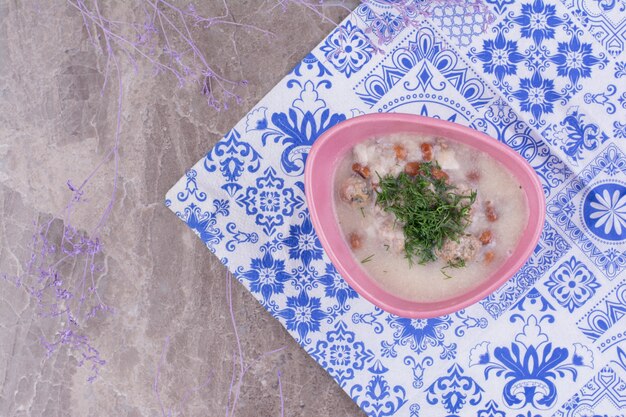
pixel 495 219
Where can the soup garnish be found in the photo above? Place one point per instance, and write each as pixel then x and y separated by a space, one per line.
pixel 430 209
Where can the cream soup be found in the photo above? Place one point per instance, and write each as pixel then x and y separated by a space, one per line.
pixel 494 221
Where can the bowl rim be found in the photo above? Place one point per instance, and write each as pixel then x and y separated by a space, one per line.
pixel 415 309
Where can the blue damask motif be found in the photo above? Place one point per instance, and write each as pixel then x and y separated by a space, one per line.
pixel 427 51
pixel 267 275
pixel 303 314
pixel 302 241
pixel 536 96
pixel 468 322
pixel 337 288
pixel 533 300
pixel 567 209
pixel 310 65
pixel 555 69
pixel 348 48
pixel 605 314
pixel 576 135
pixel 341 354
pixel 256 119
pixel 492 410
pixel 370 319
pixel 454 390
pixel 575 59
pixel 418 334
pixel 538 20
pixel 621 359
pixel 604 211
pixel 269 201
pixel 296 130
pixel 232 156
pixel 572 284
pixel 549 250
pixel 418 366
pixel 531 365
pixel 605 390
pixel 500 6
pixel 501 122
pixel 620 69
pixel 603 98
pixel 380 398
pixel 239 237
pixel 615 339
pixel 204 224
pixel 305 277
pixel 499 56
pixel 604 20
pixel 191 188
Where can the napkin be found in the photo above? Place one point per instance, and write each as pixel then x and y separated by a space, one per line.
pixel 548 79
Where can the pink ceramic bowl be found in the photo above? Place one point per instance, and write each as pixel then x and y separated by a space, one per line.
pixel 330 148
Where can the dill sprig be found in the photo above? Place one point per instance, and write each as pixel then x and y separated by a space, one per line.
pixel 369 258
pixel 429 209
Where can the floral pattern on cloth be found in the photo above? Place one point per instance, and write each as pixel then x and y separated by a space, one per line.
pixel 544 77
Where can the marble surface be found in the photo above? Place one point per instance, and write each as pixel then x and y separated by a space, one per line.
pixel 162 282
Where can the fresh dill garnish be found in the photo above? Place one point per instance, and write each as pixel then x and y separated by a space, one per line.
pixel 386 247
pixel 445 273
pixel 362 212
pixel 457 263
pixel 429 209
pixel 369 258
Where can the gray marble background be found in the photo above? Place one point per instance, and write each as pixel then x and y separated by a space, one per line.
pixel 160 279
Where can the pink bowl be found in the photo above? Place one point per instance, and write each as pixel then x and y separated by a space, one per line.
pixel 330 148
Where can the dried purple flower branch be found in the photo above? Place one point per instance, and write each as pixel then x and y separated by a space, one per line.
pixel 60 298
pixel 179 55
pixel 316 7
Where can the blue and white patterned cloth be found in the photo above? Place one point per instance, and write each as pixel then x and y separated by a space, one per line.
pixel 547 78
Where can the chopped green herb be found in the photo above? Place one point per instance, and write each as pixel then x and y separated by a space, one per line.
pixel 457 263
pixel 369 258
pixel 386 247
pixel 445 273
pixel 362 212
pixel 429 210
